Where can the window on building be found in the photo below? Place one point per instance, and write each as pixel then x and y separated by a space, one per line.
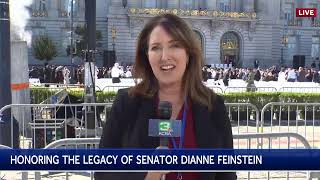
pixel 202 5
pixel 188 4
pixel 315 49
pixel 150 3
pixel 172 4
pixel 75 7
pixel 255 6
pixel 225 5
pixel 39 5
pixel 288 12
pixel 42 5
pixel 65 7
pixel 292 46
pixel 317 6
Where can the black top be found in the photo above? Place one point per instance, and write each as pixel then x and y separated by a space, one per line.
pixel 127 127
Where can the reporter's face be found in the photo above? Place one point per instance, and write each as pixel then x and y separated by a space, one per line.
pixel 167 57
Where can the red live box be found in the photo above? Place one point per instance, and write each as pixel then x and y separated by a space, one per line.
pixel 306 12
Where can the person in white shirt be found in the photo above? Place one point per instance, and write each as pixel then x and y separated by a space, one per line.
pixel 115 73
pixel 66 75
pixel 282 75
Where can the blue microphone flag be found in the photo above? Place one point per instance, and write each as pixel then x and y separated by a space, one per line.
pixel 164 128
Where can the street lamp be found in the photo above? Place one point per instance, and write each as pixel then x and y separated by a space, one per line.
pixel 284 42
pixel 113 34
pixel 71 32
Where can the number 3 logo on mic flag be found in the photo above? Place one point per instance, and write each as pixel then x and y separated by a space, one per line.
pixel 165 128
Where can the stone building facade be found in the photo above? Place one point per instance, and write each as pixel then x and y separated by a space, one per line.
pixel 238 31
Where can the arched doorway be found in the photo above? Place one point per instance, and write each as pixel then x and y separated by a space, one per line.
pixel 230 49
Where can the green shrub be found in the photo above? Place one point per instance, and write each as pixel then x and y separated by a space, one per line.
pixel 258 99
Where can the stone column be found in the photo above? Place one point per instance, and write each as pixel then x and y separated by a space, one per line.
pixel 116 7
pixel 173 4
pixel 248 6
pixel 52 7
pixel 212 4
pixel 238 5
pixel 233 4
pixel 195 4
pixel 181 2
pixel 82 9
pixel 306 21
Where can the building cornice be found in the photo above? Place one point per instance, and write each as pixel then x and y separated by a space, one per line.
pixel 194 14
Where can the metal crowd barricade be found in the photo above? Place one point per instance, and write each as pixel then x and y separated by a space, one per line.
pixel 249 89
pixel 300 89
pixel 39 94
pixel 114 88
pixel 270 141
pixel 51 122
pixel 249 138
pixel 74 143
pixel 216 89
pixel 302 118
pixel 244 117
pixel 24 174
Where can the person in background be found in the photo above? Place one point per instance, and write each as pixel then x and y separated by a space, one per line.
pixel 250 81
pixel 256 64
pixel 315 76
pixel 257 75
pixel 226 77
pixel 309 76
pixel 168 64
pixel 128 73
pixel 313 64
pixel 115 73
pixel 66 75
pixel 292 75
pixel 301 75
pixel 282 75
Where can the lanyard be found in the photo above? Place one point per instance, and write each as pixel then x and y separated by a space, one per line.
pixel 184 119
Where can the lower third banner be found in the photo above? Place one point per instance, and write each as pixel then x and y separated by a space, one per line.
pixel 145 160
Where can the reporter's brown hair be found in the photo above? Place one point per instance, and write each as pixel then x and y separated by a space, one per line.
pixel 192 79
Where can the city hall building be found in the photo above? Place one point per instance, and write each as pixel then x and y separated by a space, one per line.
pixel 238 31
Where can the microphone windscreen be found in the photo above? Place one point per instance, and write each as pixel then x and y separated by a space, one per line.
pixel 164 110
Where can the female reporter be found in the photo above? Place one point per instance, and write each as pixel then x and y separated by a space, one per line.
pixel 168 63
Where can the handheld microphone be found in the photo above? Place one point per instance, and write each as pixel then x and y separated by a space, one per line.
pixel 164 127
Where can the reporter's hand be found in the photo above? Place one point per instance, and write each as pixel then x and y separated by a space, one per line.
pixel 154 175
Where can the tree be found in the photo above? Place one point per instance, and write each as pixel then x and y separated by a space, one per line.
pixel 44 48
pixel 81 44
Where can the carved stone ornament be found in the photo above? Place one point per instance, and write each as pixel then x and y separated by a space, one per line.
pixel 37 23
pixel 251 29
pixel 193 12
pixel 134 22
pixel 214 25
pixel 231 25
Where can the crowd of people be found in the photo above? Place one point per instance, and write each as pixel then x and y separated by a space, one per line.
pixel 258 74
pixel 74 75
pixel 53 74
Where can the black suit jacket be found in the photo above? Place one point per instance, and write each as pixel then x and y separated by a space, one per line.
pixel 128 128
